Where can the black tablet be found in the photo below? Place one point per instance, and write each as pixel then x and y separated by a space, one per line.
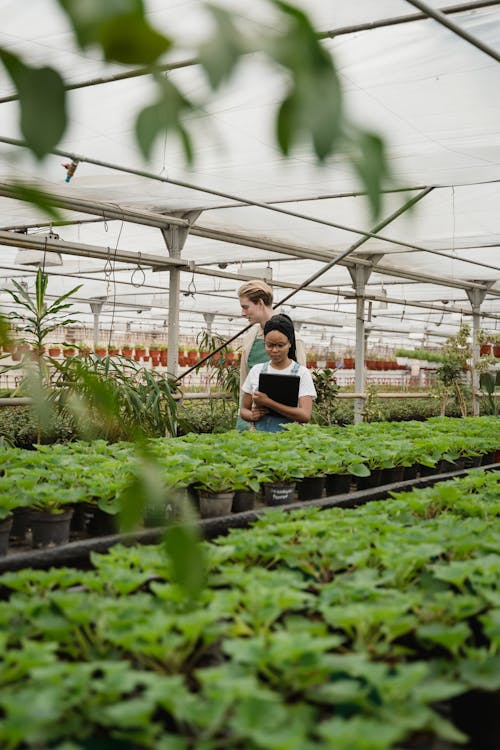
pixel 281 388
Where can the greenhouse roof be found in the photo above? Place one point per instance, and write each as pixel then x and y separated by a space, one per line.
pixel 431 93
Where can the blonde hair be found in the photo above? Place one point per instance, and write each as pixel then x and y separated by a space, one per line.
pixel 257 290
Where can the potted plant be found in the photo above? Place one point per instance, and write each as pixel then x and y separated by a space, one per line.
pixel 50 518
pixel 163 355
pixel 127 351
pixel 113 350
pixel 139 351
pixel 85 349
pixel 100 350
pixel 192 356
pixel 54 350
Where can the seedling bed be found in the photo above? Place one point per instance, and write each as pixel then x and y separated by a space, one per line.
pixel 77 553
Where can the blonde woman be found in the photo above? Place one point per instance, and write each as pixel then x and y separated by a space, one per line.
pixel 256 301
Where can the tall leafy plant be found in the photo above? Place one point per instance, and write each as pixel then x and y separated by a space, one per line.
pixel 457 350
pixel 36 318
pixel 117 402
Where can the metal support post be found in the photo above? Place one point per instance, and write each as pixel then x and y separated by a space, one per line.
pixel 175 237
pixel 476 298
pixel 360 275
pixel 96 308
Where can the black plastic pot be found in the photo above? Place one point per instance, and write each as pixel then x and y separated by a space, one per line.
pixel 213 504
pixel 445 466
pixel 365 483
pixel 50 529
pixel 471 462
pixel 337 484
pixel 243 500
pixel 102 523
pixel 411 472
pixel 394 474
pixel 488 458
pixel 279 493
pixel 426 471
pixel 20 523
pixel 311 488
pixel 477 714
pixel 82 513
pixel 5 527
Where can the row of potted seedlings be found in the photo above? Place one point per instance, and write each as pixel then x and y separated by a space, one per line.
pixel 158 355
pixel 89 484
pixel 374 628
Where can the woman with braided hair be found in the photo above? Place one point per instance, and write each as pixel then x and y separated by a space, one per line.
pixel 259 409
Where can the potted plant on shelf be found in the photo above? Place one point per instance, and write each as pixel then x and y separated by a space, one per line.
pixel 100 350
pixel 192 356
pixel 139 352
pixel 127 351
pixel 163 355
pixel 54 350
pixel 113 349
pixel 83 349
pixel 50 518
pixel 69 350
pixel 216 484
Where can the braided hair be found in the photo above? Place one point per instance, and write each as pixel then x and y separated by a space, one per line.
pixel 284 324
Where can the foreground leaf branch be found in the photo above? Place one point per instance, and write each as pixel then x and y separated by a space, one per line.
pixel 311 110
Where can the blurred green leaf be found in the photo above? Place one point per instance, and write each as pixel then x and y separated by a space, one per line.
pixel 119 27
pixel 312 107
pixel 37 197
pixel 220 53
pixel 183 547
pixel 370 163
pixel 162 117
pixel 42 101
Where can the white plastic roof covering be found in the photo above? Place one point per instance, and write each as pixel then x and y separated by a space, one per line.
pixel 431 94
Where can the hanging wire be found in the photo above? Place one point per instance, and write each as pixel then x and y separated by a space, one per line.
pixel 191 288
pixel 403 313
pixel 138 270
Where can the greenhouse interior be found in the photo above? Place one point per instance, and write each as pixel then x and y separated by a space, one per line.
pixel 176 574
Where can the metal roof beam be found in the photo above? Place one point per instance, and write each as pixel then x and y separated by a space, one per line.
pixel 34 242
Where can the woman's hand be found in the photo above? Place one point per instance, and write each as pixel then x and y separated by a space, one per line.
pixel 260 401
pixel 257 410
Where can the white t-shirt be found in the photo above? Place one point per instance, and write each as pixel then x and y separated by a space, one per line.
pixel 306 385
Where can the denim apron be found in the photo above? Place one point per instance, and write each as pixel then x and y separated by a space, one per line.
pixel 275 422
pixel 256 355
